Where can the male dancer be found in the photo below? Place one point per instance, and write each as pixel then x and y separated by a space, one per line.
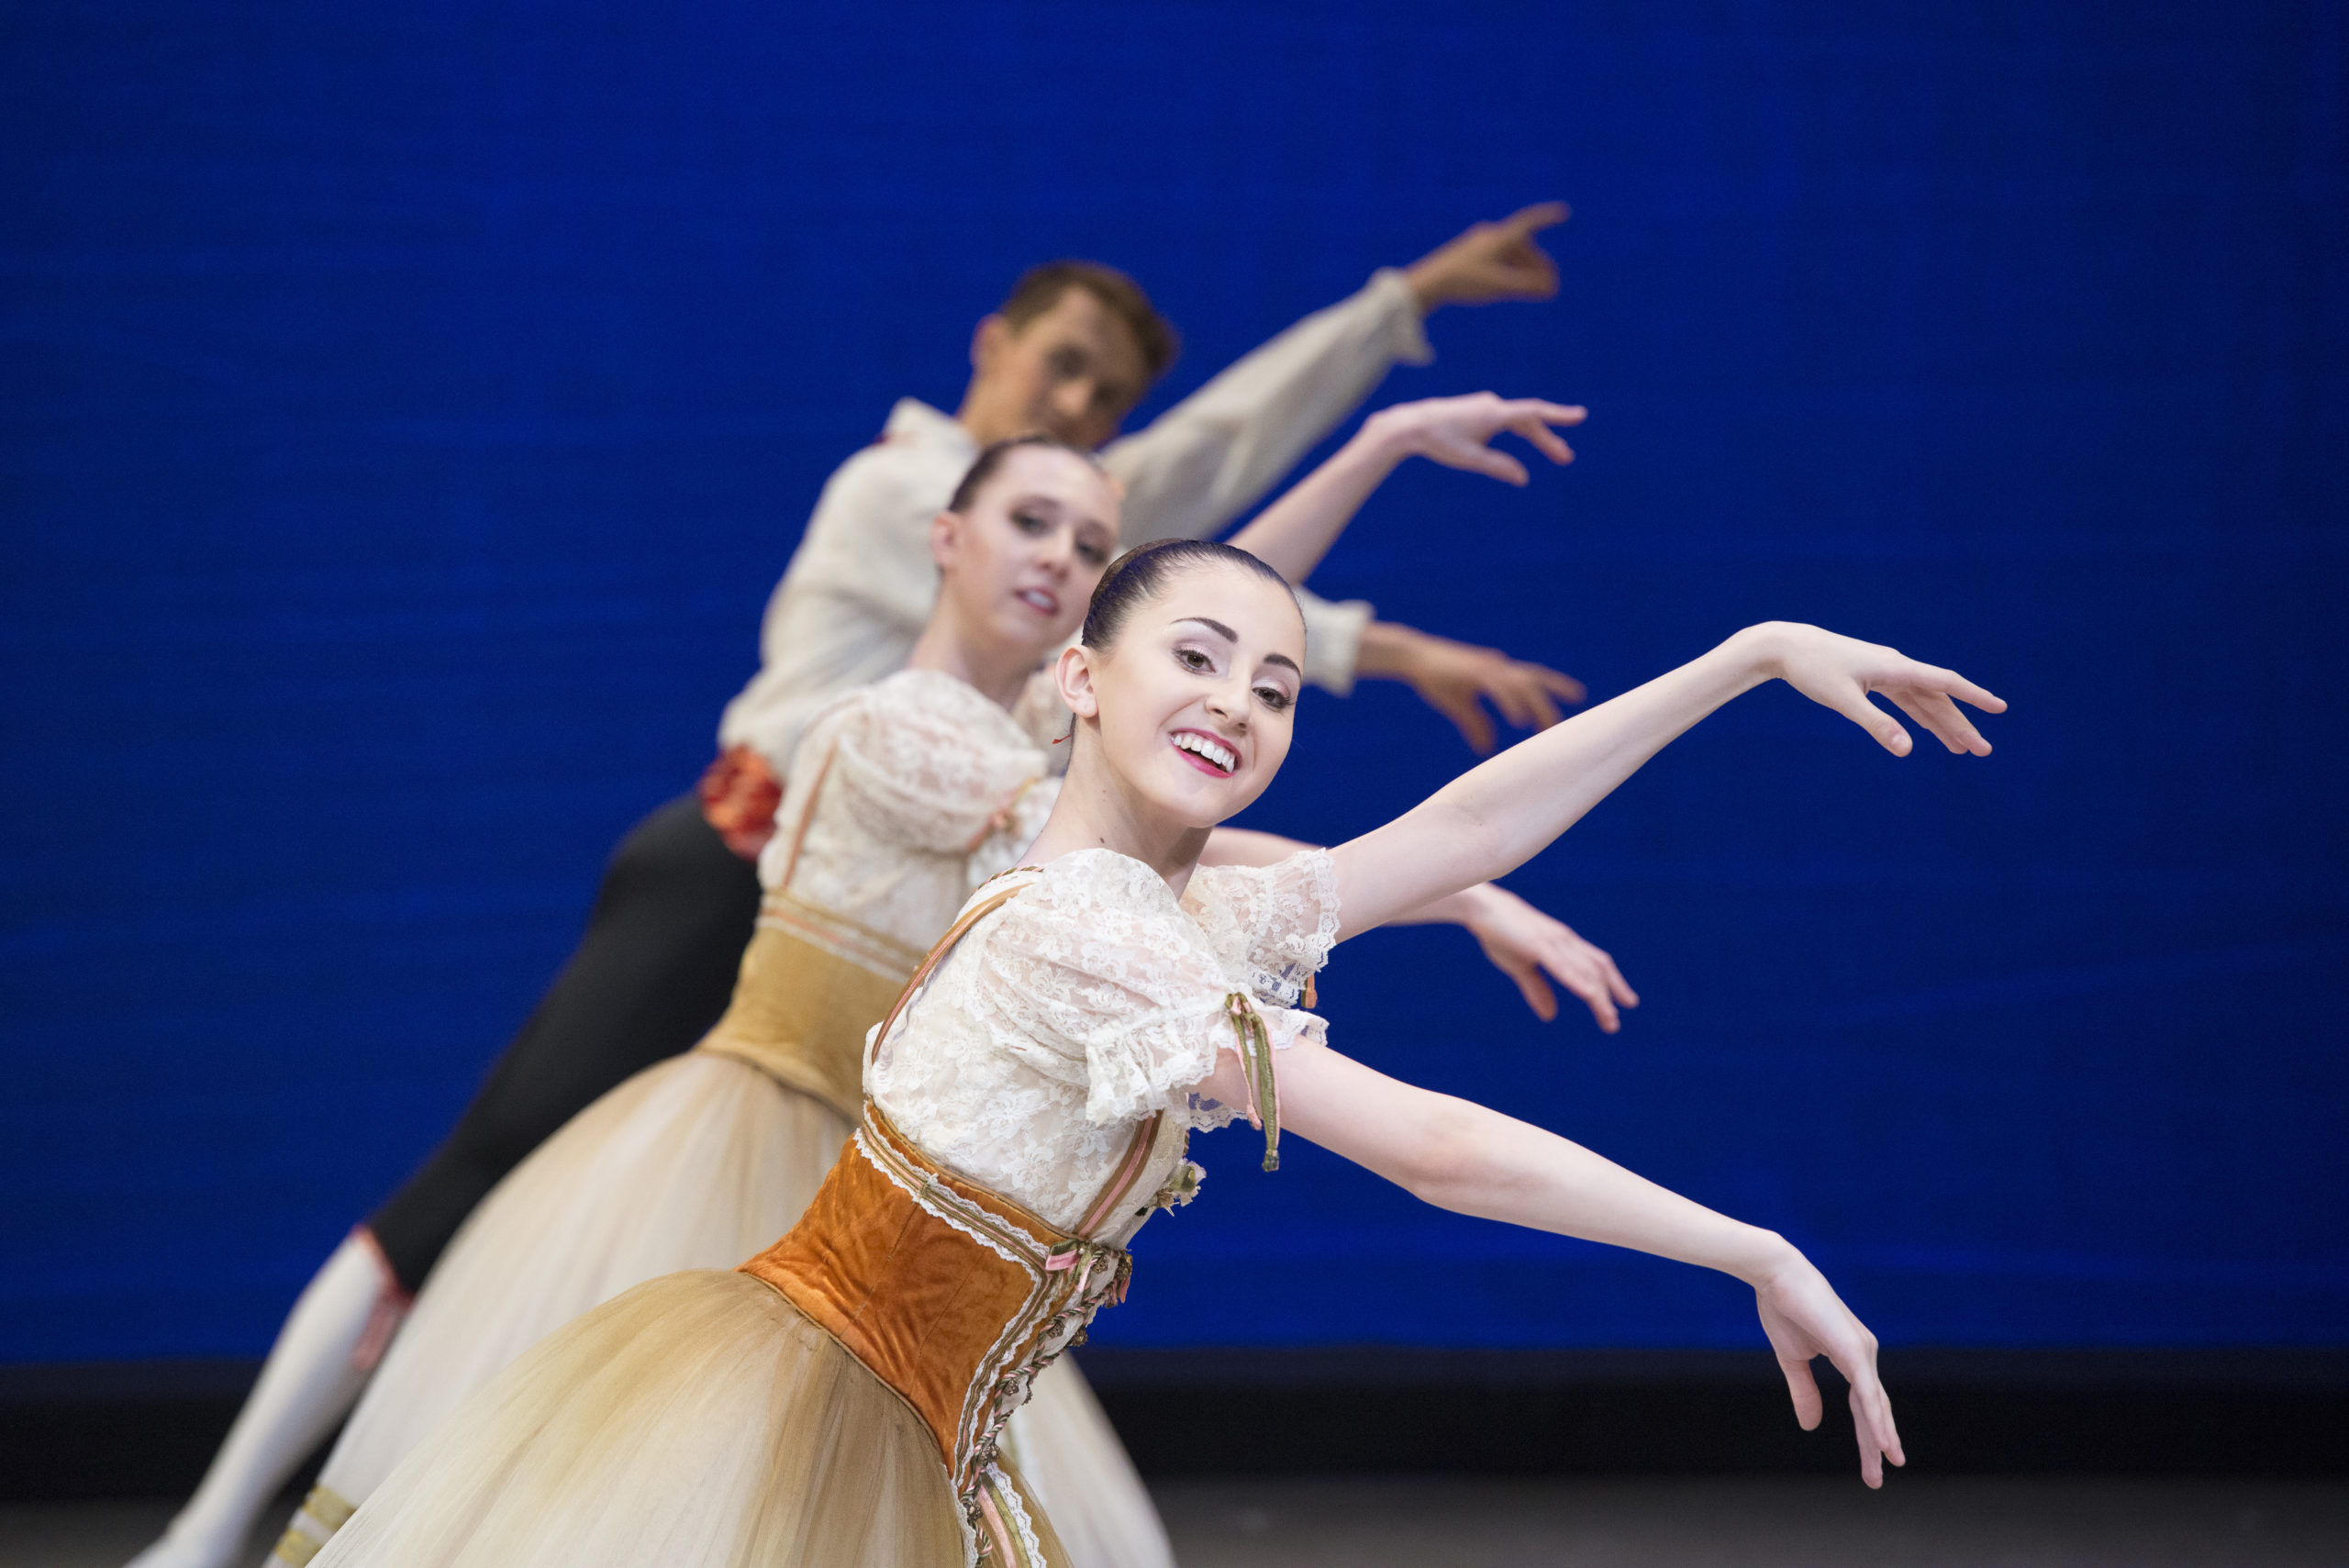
pixel 1072 352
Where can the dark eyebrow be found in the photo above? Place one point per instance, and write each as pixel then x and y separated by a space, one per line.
pixel 1225 632
pixel 1216 626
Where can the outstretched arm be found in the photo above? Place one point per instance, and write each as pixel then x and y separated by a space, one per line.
pixel 1497 816
pixel 1294 533
pixel 1461 1156
pixel 1528 946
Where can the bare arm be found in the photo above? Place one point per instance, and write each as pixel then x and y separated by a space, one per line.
pixel 1461 1156
pixel 1528 946
pixel 1294 532
pixel 1501 813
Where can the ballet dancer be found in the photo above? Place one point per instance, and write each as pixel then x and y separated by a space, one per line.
pixel 841 1397
pixel 908 794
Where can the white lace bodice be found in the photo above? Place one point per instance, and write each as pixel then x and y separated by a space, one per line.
pixel 921 789
pixel 1087 1002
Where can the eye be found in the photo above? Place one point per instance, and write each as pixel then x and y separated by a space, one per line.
pixel 1091 554
pixel 1028 522
pixel 1066 363
pixel 1193 659
pixel 1274 698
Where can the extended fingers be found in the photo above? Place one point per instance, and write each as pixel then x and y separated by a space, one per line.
pixel 1872 1428
pixel 1575 970
pixel 1540 215
pixel 1467 715
pixel 1475 456
pixel 1940 715
pixel 1886 729
pixel 1803 1389
pixel 1621 987
pixel 1560 684
pixel 1520 695
pixel 1534 426
pixel 1538 995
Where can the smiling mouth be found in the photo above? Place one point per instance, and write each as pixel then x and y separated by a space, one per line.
pixel 1038 600
pixel 1206 753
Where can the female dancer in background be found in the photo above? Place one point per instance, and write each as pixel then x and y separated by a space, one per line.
pixel 840 1399
pixel 906 794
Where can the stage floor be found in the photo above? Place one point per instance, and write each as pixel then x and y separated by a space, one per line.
pixel 1367 1523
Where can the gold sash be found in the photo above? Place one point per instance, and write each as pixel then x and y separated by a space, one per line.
pixel 811 985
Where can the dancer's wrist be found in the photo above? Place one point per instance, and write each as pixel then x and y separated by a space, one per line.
pixel 1758 653
pixel 1386 438
pixel 1758 1257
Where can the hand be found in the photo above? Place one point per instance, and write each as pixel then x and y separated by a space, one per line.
pixel 1521 941
pixel 1805 1317
pixel 1453 431
pixel 1450 677
pixel 1490 262
pixel 1841 672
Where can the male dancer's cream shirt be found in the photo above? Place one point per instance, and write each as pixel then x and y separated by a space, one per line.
pixel 861 585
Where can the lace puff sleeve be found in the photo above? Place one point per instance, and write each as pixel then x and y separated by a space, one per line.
pixel 1097 977
pixel 922 759
pixel 1279 920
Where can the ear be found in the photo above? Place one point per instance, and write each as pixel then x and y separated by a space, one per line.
pixel 1073 673
pixel 945 536
pixel 987 341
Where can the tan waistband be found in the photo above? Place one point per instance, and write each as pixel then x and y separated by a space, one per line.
pixel 800 1012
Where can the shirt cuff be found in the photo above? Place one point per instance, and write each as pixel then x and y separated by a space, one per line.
pixel 1333 641
pixel 1407 332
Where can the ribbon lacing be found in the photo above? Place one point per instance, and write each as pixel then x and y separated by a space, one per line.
pixel 1101 1273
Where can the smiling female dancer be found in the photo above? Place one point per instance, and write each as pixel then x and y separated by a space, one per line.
pixel 908 794
pixel 839 1399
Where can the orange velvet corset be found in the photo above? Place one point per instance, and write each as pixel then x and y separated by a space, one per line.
pixel 955 1295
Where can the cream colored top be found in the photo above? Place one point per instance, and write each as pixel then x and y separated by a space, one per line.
pixel 1090 1001
pixel 860 586
pixel 922 790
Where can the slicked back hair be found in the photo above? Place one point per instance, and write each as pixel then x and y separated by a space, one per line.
pixel 1140 576
pixel 991 458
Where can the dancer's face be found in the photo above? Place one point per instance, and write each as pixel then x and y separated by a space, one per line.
pixel 1021 561
pixel 1197 698
pixel 1073 372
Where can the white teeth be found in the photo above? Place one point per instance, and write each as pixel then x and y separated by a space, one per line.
pixel 1041 601
pixel 1221 756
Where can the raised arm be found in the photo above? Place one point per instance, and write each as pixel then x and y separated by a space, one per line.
pixel 1500 815
pixel 1294 533
pixel 1460 1156
pixel 1530 947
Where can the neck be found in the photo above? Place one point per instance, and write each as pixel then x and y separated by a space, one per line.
pixel 972 417
pixel 998 674
pixel 1096 812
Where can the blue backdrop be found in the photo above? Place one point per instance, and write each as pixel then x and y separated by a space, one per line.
pixel 408 408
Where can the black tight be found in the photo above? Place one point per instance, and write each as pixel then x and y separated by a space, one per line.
pixel 653 973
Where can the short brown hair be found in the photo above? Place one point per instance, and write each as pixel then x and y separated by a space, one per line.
pixel 1039 288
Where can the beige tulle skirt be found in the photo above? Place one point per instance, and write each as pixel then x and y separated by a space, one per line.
pixel 694 1164
pixel 699 1421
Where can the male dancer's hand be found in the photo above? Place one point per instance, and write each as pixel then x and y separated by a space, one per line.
pixel 1457 678
pixel 1490 262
